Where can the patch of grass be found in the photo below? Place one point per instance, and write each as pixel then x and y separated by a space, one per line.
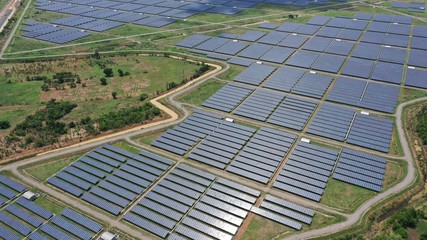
pixel 148 139
pixel 126 146
pixel 232 72
pixel 201 93
pixel 422 227
pixel 49 205
pixel 20 44
pixel 408 94
pixel 320 144
pixel 337 195
pixel 18 93
pixel 261 228
pixel 44 170
pixel 395 146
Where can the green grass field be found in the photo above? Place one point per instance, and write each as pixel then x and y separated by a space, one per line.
pixel 46 169
pixel 202 92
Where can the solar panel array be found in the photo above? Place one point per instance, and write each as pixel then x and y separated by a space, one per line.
pixel 216 151
pixel 307 171
pixel 68 225
pixel 184 136
pixel 110 178
pixel 370 95
pixel 360 169
pixel 284 212
pixel 9 189
pixel 255 74
pixel 52 33
pixel 371 132
pixel 262 155
pixel 191 203
pixel 228 97
pixel 87 23
pixel 332 121
pixel 410 6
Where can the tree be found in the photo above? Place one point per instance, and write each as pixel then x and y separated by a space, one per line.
pixel 103 81
pixel 121 74
pixel 4 125
pixel 72 124
pixel 108 72
pixel 114 94
pixel 96 55
pixel 143 97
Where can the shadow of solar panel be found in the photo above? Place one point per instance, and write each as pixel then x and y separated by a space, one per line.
pixel 371 132
pixel 318 44
pixel 417 58
pixel 259 105
pixel 394 55
pixel 358 67
pixel 312 85
pixel 254 51
pixel 335 127
pixel 255 74
pixel 416 78
pixel 329 63
pixel 318 20
pixel 388 72
pixel 373 37
pixel 293 113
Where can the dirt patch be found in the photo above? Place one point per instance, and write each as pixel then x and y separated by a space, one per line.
pixel 412 234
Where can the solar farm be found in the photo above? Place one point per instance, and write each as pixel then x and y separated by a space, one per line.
pixel 292 130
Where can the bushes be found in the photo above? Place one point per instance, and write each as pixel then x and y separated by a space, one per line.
pixel 127 116
pixel 4 125
pixel 422 125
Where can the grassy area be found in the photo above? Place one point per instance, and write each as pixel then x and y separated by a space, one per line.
pixel 395 145
pixel 261 228
pixel 202 92
pixel 126 146
pixel 408 94
pixel 337 193
pixel 43 170
pixel 232 72
pixel 148 74
pixel 149 138
pixel 49 205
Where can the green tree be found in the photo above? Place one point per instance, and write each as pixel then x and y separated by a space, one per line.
pixel 103 81
pixel 96 55
pixel 4 125
pixel 121 73
pixel 108 72
pixel 114 94
pixel 143 97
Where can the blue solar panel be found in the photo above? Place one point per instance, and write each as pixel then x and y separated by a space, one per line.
pixel 34 208
pixel 358 67
pixel 417 58
pixel 388 72
pixel 416 78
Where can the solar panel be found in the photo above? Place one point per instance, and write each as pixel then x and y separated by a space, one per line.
pixel 358 67
pixel 329 63
pixel 331 32
pixel 318 44
pixel 391 54
pixel 255 74
pixel 312 85
pixel 417 58
pixel 416 78
pixel 293 41
pixel 387 72
pixel 12 184
pixel 254 51
pixel 251 36
pixel 71 228
pixel 23 215
pixel 14 224
pixel 340 48
pixel 276 218
pixel 303 59
pixel 318 20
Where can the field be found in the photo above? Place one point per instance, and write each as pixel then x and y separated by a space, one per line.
pixel 200 94
pixel 147 74
pixel 337 193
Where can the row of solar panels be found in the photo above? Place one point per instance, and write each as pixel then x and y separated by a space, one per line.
pixel 410 6
pixel 9 189
pixel 111 178
pixel 262 155
pixel 190 203
pixel 307 171
pixel 363 170
pixel 25 218
pixel 87 23
pixel 51 33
